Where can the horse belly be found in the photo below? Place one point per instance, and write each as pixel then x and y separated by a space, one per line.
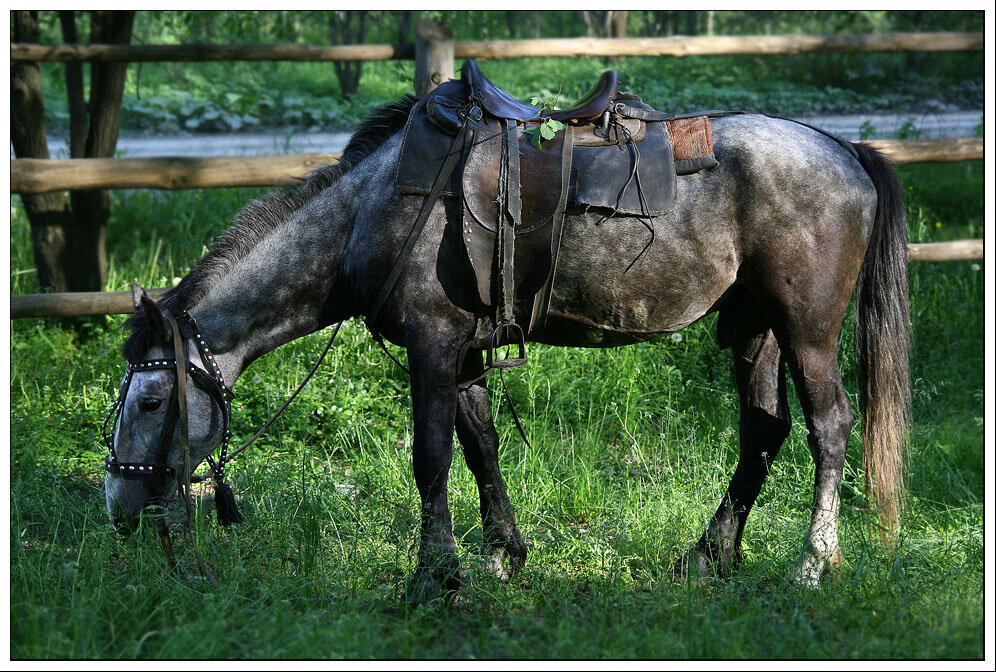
pixel 615 285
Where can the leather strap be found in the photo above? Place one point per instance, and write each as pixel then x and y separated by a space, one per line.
pixel 509 217
pixel 180 390
pixel 183 480
pixel 456 151
pixel 541 304
pixel 624 110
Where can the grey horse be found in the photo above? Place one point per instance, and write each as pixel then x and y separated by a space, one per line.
pixel 776 238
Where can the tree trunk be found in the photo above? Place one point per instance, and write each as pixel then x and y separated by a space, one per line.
pixel 50 220
pixel 74 89
pixel 404 26
pixel 92 209
pixel 510 19
pixel 691 22
pixel 69 244
pixel 615 26
pixel 589 28
pixel 348 27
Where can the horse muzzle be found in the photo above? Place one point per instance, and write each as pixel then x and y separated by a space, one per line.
pixel 128 500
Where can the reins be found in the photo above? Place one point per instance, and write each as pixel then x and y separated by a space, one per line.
pixel 262 430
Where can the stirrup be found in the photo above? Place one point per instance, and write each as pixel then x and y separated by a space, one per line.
pixel 510 330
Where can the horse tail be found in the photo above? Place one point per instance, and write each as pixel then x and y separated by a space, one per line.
pixel 882 336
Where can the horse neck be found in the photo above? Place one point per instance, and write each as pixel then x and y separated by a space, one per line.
pixel 283 289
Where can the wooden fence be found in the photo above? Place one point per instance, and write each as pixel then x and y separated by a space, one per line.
pixel 76 304
pixel 489 49
pixel 38 176
pixel 433 52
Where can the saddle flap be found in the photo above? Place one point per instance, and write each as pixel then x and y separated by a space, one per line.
pixel 539 171
pixel 628 179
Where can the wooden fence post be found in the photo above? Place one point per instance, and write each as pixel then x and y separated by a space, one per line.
pixel 433 55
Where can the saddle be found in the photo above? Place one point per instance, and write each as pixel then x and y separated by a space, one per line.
pixel 516 176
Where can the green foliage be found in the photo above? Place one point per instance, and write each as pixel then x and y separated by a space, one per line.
pixel 167 97
pixel 632 450
pixel 545 130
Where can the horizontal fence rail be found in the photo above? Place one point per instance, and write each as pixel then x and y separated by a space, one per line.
pixel 956 250
pixel 719 45
pixel 488 49
pixel 80 304
pixel 138 53
pixel 76 304
pixel 37 176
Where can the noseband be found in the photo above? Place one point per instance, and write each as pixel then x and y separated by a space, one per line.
pixel 210 381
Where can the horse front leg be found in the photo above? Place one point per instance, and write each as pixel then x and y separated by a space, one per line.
pixel 505 548
pixel 433 368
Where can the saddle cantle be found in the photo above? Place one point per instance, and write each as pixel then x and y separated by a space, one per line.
pixel 468 139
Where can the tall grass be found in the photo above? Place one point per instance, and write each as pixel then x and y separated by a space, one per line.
pixel 632 449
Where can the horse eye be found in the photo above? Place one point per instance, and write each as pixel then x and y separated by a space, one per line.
pixel 150 404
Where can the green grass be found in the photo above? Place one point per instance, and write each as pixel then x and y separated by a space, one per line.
pixel 632 449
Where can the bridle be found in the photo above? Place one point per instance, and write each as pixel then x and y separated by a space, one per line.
pixel 212 381
pixel 209 379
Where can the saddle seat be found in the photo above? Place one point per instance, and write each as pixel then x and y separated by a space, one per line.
pixel 501 105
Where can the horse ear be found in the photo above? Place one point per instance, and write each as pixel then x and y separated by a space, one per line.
pixel 155 317
pixel 137 293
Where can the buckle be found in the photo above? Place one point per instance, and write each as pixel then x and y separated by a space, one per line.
pixel 474 113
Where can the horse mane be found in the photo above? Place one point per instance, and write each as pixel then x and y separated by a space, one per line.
pixel 259 217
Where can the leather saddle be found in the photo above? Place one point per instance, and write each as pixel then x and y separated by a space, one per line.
pixel 470 140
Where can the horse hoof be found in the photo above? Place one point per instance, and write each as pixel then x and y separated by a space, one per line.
pixel 694 568
pixel 502 565
pixel 428 587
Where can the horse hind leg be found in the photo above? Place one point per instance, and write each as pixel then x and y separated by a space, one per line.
pixel 829 419
pixel 505 548
pixel 807 325
pixel 765 422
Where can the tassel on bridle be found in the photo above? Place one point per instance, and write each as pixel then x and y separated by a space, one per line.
pixel 224 504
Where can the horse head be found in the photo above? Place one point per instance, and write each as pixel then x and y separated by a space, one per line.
pixel 171 413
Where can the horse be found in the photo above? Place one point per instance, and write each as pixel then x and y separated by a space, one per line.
pixel 775 238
